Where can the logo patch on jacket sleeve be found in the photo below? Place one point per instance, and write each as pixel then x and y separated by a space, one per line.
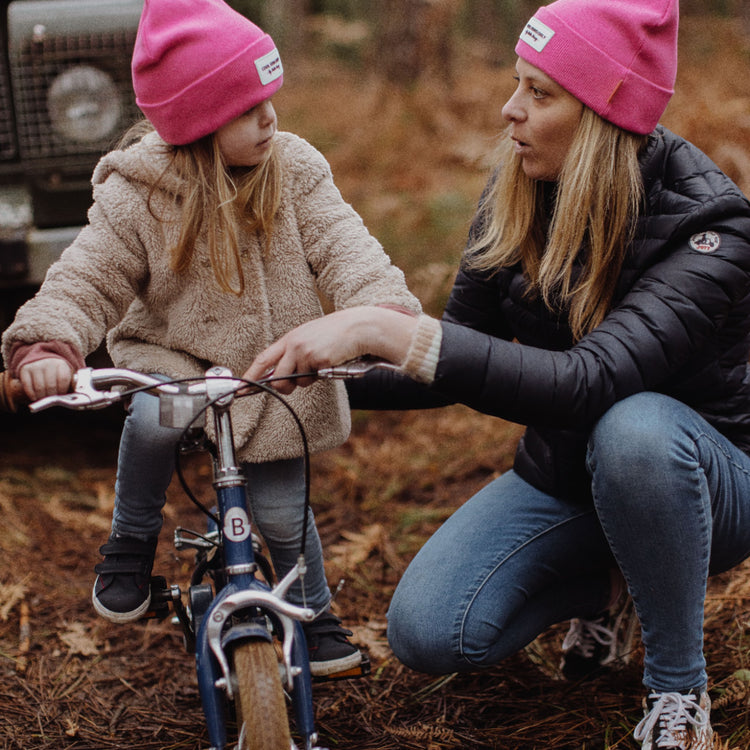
pixel 705 242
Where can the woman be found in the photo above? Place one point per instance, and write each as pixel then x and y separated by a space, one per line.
pixel 603 301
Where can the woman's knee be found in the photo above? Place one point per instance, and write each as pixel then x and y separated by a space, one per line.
pixel 635 437
pixel 440 629
pixel 418 638
pixel 429 642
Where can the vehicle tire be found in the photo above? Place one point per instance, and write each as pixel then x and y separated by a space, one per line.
pixel 260 706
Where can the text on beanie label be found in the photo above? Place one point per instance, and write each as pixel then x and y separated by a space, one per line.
pixel 269 67
pixel 537 34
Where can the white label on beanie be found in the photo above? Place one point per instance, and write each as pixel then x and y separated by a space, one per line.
pixel 269 67
pixel 536 34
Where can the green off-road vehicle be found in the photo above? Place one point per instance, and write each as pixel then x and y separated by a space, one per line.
pixel 65 97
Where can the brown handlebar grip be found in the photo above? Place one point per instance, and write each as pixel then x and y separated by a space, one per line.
pixel 11 393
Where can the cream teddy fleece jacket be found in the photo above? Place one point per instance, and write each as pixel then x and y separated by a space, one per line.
pixel 115 280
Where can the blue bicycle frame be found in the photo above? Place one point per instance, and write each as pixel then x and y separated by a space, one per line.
pixel 244 591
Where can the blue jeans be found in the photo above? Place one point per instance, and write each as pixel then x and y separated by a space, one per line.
pixel 276 494
pixel 671 505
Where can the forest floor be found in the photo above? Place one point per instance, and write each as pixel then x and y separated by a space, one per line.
pixel 412 163
pixel 69 679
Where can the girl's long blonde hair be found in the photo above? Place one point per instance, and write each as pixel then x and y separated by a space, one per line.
pixel 597 201
pixel 218 202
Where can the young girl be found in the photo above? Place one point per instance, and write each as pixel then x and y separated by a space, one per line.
pixel 209 237
pixel 604 301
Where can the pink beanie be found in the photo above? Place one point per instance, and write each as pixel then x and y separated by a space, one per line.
pixel 198 64
pixel 619 57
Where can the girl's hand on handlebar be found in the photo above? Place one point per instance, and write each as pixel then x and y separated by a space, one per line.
pixel 333 339
pixel 46 377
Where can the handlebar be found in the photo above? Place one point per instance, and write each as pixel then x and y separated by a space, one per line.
pixel 102 387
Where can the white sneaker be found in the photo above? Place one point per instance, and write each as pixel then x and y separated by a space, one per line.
pixel 592 644
pixel 674 721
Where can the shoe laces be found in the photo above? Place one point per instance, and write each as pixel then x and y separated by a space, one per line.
pixel 671 713
pixel 584 635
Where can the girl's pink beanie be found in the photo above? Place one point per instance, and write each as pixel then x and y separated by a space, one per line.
pixel 619 57
pixel 198 64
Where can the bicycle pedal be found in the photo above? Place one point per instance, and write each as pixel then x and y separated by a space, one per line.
pixel 161 596
pixel 362 670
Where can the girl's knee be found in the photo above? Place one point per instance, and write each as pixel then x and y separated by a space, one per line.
pixel 143 424
pixel 284 529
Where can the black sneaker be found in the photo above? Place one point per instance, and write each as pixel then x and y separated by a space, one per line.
pixel 329 647
pixel 601 642
pixel 675 721
pixel 122 591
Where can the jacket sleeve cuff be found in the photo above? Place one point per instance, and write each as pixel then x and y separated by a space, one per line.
pixel 398 308
pixel 24 354
pixel 422 357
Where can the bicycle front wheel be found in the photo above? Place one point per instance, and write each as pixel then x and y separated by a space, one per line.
pixel 260 706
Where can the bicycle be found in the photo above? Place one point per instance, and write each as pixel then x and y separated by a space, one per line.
pixel 248 641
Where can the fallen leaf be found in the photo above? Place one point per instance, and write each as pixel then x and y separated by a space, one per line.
pixel 78 640
pixel 358 547
pixel 10 595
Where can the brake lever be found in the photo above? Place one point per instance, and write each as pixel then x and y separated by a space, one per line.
pixel 356 368
pixel 75 401
pixel 84 396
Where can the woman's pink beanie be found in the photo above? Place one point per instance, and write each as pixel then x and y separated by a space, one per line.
pixel 198 64
pixel 619 57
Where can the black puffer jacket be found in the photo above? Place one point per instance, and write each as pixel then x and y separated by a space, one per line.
pixel 679 325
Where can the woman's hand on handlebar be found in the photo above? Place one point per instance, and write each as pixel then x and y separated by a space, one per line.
pixel 333 339
pixel 46 377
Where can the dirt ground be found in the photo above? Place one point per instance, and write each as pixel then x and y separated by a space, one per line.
pixel 71 680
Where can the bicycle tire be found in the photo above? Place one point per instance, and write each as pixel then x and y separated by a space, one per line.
pixel 260 706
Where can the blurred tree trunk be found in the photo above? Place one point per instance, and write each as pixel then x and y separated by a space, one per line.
pixel 284 20
pixel 415 38
pixel 491 31
pixel 714 8
pixel 743 9
pixel 498 23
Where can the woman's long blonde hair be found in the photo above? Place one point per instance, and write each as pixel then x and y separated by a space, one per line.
pixel 219 202
pixel 597 201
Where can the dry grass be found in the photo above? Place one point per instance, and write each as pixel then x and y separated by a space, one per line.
pixel 80 682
